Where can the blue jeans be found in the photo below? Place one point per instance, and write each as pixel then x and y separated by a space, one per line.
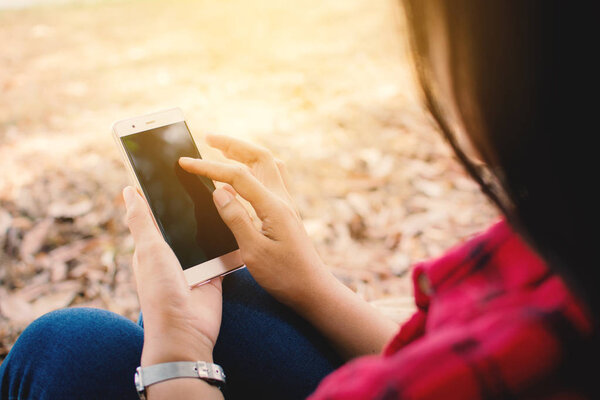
pixel 267 351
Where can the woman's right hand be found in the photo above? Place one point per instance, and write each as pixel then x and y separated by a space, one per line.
pixel 277 251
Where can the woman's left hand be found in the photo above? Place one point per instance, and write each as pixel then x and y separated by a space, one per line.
pixel 180 323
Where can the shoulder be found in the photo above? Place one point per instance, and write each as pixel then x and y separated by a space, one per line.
pixel 492 320
pixel 487 266
pixel 493 275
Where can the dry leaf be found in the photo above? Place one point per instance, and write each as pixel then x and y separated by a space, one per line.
pixel 68 252
pixel 35 290
pixel 65 210
pixel 5 223
pixel 15 308
pixel 54 301
pixel 34 239
pixel 58 271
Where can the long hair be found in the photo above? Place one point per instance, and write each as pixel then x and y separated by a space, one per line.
pixel 495 70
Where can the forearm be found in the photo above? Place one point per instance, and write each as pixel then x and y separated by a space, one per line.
pixel 352 325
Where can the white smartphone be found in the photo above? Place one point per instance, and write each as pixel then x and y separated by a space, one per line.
pixel 181 203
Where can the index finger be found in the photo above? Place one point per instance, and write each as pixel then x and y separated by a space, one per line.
pixel 254 156
pixel 237 176
pixel 239 150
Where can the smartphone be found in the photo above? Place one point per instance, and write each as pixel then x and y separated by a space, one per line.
pixel 181 203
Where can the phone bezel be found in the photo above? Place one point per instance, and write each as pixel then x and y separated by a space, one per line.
pixel 207 270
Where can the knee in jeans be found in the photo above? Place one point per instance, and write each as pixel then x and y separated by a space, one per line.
pixel 67 353
pixel 78 332
pixel 44 329
pixel 57 326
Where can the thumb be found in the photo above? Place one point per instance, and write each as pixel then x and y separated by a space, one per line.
pixel 235 217
pixel 139 220
pixel 154 263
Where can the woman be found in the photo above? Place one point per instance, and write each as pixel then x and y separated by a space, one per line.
pixel 494 319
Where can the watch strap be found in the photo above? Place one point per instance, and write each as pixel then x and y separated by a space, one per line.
pixel 209 372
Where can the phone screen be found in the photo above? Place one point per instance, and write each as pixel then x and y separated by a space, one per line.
pixel 181 202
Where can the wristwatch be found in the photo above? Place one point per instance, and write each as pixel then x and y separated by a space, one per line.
pixel 209 372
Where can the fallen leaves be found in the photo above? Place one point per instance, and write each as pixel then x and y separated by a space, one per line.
pixel 62 253
pixel 377 187
pixel 26 305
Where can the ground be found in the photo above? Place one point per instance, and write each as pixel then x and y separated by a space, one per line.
pixel 325 84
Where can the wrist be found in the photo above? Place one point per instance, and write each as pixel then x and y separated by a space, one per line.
pixel 159 356
pixel 153 357
pixel 168 345
pixel 311 289
pixel 157 352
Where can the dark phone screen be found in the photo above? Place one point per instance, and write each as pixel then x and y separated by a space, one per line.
pixel 181 202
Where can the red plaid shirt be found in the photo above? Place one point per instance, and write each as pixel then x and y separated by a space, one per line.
pixel 492 322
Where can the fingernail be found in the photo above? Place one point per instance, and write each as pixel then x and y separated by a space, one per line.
pixel 128 196
pixel 186 159
pixel 222 197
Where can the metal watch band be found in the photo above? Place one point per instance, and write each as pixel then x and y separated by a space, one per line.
pixel 209 372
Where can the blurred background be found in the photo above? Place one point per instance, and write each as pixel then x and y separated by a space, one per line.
pixel 325 84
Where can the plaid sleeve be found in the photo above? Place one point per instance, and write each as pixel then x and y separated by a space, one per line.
pixel 496 357
pixel 492 322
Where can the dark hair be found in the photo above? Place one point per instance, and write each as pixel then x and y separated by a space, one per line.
pixel 497 70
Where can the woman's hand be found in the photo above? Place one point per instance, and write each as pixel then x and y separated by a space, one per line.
pixel 276 250
pixel 180 323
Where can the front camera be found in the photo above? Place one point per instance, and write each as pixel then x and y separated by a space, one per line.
pixel 133 126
